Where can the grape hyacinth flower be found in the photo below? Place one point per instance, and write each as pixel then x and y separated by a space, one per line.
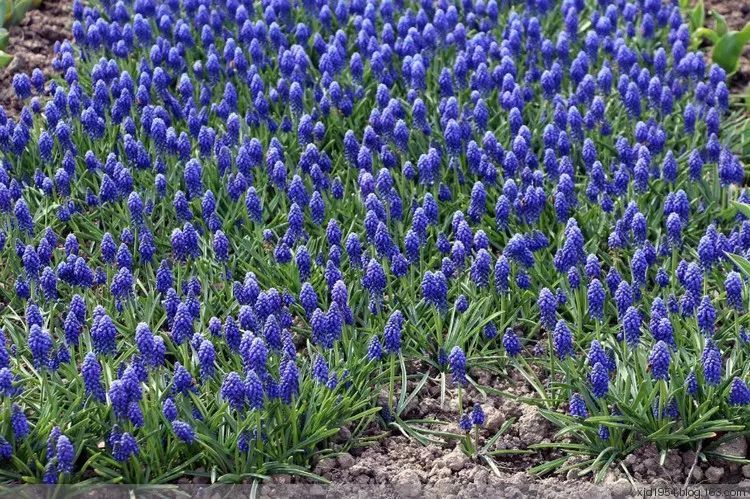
pixel 183 431
pixel 477 415
pixel 457 363
pixel 392 332
pixel 599 380
pixel 435 289
pixel 739 393
pixel 465 423
pixel 577 406
pixel 733 286
pixel 547 308
pixel 712 364
pixel 562 339
pixel 659 360
pixel 511 343
pixel 374 349
pixel 596 296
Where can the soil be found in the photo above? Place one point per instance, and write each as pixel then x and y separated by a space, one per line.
pixel 32 45
pixel 737 15
pixel 396 466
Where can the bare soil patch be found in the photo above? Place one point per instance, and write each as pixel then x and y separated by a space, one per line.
pixel 32 45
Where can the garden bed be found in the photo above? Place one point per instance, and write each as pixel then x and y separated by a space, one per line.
pixel 219 268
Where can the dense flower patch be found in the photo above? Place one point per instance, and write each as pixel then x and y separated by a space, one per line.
pixel 229 224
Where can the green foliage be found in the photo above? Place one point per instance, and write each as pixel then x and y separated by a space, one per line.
pixel 727 45
pixel 728 49
pixel 5 58
pixel 18 9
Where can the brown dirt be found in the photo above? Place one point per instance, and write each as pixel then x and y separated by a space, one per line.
pixel 31 43
pixel 396 465
pixel 737 15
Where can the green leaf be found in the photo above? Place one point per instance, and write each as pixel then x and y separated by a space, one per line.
pixel 727 51
pixel 742 208
pixel 3 38
pixel 4 11
pixel 698 15
pixel 704 32
pixel 5 59
pixel 741 262
pixel 20 9
pixel 728 457
pixel 721 23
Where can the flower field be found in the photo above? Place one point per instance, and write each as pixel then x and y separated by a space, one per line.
pixel 231 229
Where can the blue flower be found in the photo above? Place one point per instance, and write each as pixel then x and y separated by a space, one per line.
pixel 374 281
pixel 659 360
pixel 183 431
pixel 562 339
pixel 221 246
pixel 631 326
pixel 91 372
pixel 599 380
pixel 739 393
pixel 125 447
pixel 64 453
pixel 6 382
pixel 206 359
pixel 518 251
pixel 596 297
pixel 733 286
pixel 577 406
pixel 623 297
pixel 435 289
pixel 477 415
pixel 22 85
pixel 662 278
pixel 320 369
pixel 182 380
pixel 597 355
pixel 593 267
pixel 693 280
pixel 706 316
pixel 6 449
pixel 233 391
pixel 18 422
pixel 465 423
pixel 457 363
pixel 547 308
pixel 392 332
pixel 639 267
pixel 511 343
pixel 289 381
pixel 480 269
pixel 712 364
pixel 40 344
pixel 374 349
pixel 462 304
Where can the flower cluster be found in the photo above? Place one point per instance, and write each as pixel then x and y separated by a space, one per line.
pixel 225 218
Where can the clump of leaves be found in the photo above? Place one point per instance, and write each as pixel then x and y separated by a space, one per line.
pixel 727 44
